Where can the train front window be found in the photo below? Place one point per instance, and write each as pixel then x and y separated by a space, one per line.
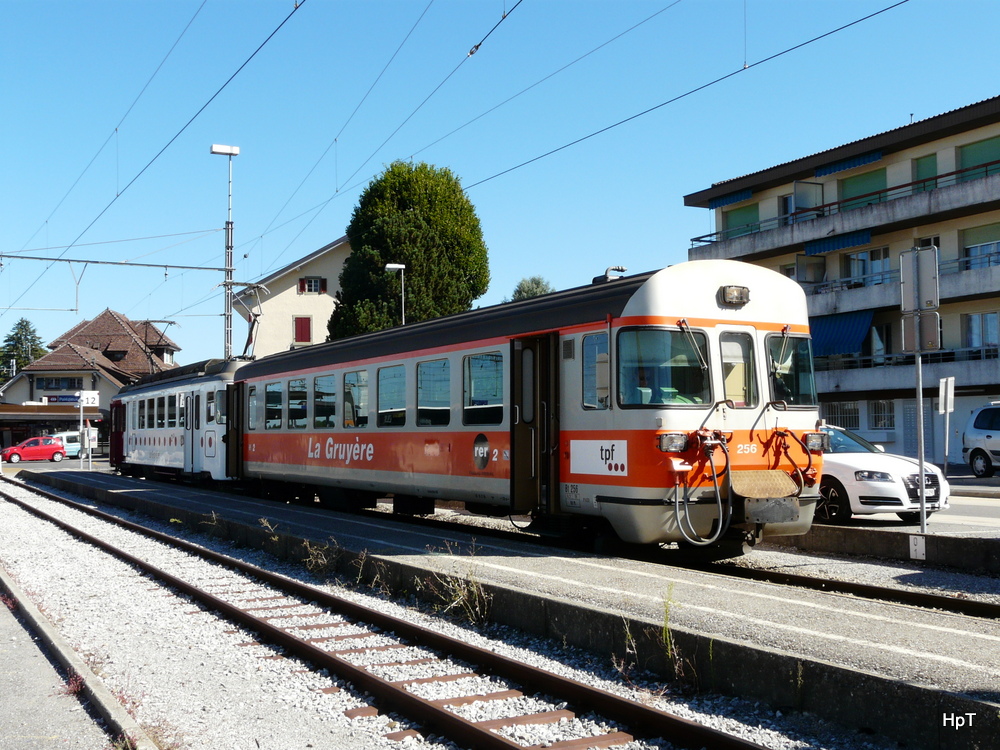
pixel 739 376
pixel 791 365
pixel 658 368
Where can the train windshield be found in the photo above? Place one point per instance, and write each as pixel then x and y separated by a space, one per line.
pixel 791 365
pixel 658 367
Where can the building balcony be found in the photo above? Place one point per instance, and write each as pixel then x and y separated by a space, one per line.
pixel 956 194
pixel 961 279
pixel 846 375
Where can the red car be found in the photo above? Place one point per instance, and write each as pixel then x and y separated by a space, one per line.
pixel 43 448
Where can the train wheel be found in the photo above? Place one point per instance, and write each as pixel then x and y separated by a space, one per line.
pixel 834 506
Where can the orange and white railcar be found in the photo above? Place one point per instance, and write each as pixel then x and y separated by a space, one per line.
pixel 676 406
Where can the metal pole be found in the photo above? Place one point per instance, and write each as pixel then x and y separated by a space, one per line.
pixel 920 395
pixel 402 293
pixel 228 314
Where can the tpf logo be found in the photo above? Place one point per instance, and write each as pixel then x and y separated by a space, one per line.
pixel 603 457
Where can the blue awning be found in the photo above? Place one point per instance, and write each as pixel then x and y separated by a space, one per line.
pixel 726 200
pixel 839 242
pixel 854 161
pixel 843 333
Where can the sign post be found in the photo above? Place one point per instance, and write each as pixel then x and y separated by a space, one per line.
pixel 946 405
pixel 86 398
pixel 919 296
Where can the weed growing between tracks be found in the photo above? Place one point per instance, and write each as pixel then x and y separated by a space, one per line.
pixel 320 558
pixel 461 598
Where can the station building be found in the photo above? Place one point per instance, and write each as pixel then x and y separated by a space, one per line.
pixel 837 221
pixel 102 354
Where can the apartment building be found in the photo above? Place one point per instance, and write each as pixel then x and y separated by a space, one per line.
pixel 838 220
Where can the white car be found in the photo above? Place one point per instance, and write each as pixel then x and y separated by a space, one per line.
pixel 860 478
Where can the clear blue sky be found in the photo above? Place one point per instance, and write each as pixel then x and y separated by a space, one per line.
pixel 87 161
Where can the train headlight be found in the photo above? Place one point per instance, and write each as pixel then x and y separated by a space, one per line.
pixel 673 442
pixel 734 296
pixel 816 441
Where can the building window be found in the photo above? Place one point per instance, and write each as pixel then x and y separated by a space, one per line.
pixel 842 414
pixel 868 188
pixel 59 384
pixel 934 241
pixel 740 221
pixel 881 415
pixel 312 285
pixel 984 154
pixel 982 330
pixel 301 330
pixel 867 268
pixel 878 342
pixel 924 173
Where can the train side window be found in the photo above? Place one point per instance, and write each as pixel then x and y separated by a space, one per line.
pixel 140 414
pixel 324 402
pixel 196 407
pixel 252 407
pixel 220 407
pixel 298 418
pixel 356 399
pixel 739 376
pixel 483 389
pixel 434 393
pixel 210 407
pixel 658 367
pixel 172 410
pixel 150 413
pixel 391 396
pixel 273 398
pixel 161 412
pixel 596 372
pixel 182 411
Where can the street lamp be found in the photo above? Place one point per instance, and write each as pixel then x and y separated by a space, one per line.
pixel 401 267
pixel 229 151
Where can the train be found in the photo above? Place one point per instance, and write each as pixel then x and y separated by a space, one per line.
pixel 677 405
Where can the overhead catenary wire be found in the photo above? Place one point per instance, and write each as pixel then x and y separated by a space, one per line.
pixel 688 93
pixel 162 150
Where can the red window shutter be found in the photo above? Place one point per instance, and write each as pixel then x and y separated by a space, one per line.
pixel 302 286
pixel 303 330
pixel 322 286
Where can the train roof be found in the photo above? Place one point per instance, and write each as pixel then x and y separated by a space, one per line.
pixel 547 312
pixel 209 368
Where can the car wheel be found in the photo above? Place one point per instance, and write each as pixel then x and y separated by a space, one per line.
pixel 913 516
pixel 57 456
pixel 14 458
pixel 834 506
pixel 981 465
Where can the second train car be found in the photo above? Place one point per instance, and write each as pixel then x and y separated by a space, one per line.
pixel 674 406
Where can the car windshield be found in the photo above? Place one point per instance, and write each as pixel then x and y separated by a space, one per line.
pixel 845 441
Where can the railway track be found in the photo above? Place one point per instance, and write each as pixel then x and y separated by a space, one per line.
pixel 400 664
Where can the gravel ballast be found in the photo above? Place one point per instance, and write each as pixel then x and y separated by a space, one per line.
pixel 193 681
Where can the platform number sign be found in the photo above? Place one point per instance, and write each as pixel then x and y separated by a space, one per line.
pixel 89 398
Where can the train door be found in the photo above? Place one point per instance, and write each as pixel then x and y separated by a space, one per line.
pixel 534 438
pixel 234 430
pixel 116 448
pixel 193 457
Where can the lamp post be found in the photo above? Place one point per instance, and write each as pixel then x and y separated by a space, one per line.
pixel 229 151
pixel 401 267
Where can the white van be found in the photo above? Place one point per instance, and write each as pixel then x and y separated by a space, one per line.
pixel 72 443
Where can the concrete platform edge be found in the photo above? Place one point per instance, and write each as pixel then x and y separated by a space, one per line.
pixel 903 711
pixel 118 720
pixel 974 555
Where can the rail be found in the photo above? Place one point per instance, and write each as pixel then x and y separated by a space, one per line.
pixel 848 204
